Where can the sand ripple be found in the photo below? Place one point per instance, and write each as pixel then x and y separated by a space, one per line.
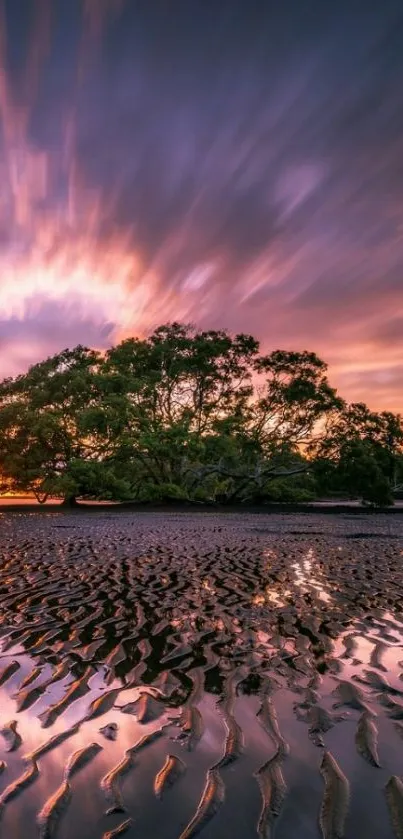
pixel 201 647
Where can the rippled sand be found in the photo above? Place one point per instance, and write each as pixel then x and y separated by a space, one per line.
pixel 169 675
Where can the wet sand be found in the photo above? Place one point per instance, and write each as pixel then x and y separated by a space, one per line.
pixel 170 675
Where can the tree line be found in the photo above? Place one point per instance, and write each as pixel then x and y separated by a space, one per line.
pixel 199 416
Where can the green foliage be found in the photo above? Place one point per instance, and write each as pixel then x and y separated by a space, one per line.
pixel 162 492
pixel 191 415
pixel 362 472
pixel 282 490
pixel 361 454
pixel 44 424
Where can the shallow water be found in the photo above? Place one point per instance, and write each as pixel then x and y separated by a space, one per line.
pixel 232 638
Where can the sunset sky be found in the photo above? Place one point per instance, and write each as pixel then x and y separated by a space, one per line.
pixel 233 163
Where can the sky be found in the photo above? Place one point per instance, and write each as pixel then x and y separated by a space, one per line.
pixel 230 163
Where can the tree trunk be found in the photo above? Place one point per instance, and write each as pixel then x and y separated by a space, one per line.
pixel 70 501
pixel 41 497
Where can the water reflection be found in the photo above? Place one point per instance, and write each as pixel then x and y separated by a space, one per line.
pixel 248 653
pixel 309 577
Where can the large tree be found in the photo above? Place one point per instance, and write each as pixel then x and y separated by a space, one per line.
pixel 190 414
pixel 179 385
pixel 210 417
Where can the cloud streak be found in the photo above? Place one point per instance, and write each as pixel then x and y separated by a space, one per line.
pixel 236 165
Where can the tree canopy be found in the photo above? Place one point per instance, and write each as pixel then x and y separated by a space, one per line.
pixel 192 415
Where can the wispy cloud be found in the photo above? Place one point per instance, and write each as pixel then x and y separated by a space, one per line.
pixel 237 167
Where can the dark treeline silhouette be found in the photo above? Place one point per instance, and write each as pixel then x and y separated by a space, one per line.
pixel 192 416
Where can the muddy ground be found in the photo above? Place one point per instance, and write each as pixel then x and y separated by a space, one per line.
pixel 171 674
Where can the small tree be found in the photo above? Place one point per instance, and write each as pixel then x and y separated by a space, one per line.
pixel 45 427
pixel 360 454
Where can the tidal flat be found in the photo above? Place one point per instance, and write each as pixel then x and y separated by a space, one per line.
pixel 175 674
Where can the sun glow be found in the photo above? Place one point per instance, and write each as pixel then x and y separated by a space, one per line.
pixel 98 281
pixel 58 245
